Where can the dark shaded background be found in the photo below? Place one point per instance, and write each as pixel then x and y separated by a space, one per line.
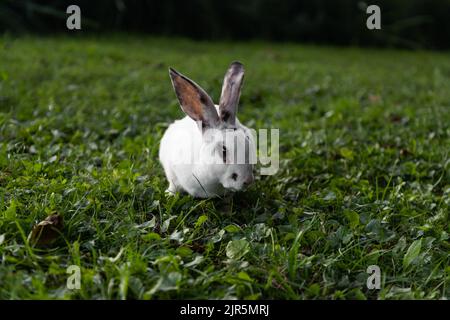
pixel 405 23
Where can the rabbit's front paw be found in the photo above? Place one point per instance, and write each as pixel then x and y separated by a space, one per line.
pixel 171 190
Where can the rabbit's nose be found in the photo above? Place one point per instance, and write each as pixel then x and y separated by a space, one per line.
pixel 249 180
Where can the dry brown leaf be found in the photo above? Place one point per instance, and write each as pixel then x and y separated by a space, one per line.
pixel 46 231
pixel 373 98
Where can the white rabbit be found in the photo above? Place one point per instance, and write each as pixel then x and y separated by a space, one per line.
pixel 208 152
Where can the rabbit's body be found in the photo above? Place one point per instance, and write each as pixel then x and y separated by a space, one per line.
pixel 195 155
pixel 198 177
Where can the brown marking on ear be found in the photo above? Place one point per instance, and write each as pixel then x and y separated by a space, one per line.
pixel 231 91
pixel 225 115
pixel 188 96
pixel 194 101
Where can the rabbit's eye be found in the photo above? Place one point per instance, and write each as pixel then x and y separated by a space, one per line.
pixel 224 154
pixel 234 176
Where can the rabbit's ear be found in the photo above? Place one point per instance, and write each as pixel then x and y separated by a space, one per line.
pixel 194 101
pixel 231 91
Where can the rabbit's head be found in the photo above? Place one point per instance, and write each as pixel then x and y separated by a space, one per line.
pixel 227 150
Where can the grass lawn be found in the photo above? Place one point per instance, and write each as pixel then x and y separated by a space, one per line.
pixel 364 174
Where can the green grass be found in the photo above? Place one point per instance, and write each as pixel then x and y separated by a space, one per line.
pixel 364 172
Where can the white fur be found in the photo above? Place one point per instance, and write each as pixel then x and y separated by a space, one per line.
pixel 203 177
